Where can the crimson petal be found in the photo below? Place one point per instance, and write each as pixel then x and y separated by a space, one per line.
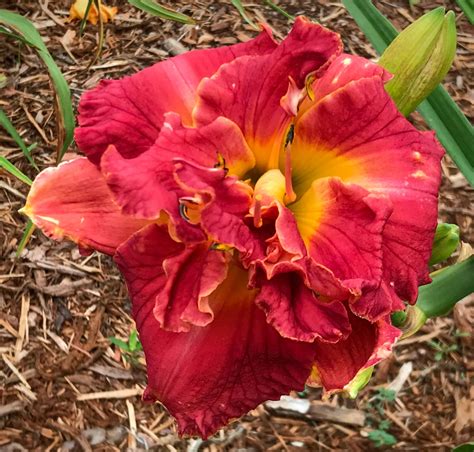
pixel 128 113
pixel 220 371
pixel 369 343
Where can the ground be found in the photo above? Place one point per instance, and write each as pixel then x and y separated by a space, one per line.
pixel 58 309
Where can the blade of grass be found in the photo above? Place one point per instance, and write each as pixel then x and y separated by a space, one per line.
pixel 28 232
pixel 8 126
pixel 64 110
pixel 8 33
pixel 375 25
pixel 467 8
pixel 155 9
pixel 83 24
pixel 440 111
pixel 14 171
pixel 100 44
pixel 240 8
pixel 279 10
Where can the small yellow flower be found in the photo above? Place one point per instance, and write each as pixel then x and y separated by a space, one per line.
pixel 79 7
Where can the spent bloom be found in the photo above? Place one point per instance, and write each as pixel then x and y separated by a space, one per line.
pixel 78 10
pixel 269 208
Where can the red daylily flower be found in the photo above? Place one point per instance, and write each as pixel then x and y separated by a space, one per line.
pixel 268 207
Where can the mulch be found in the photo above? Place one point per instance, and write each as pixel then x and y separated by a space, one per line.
pixel 64 386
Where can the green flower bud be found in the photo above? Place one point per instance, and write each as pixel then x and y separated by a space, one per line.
pixel 359 382
pixel 398 318
pixel 419 58
pixel 445 242
pixel 415 319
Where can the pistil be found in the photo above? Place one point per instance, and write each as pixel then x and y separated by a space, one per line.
pixel 257 211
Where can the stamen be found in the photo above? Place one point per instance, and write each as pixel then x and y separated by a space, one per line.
pixel 220 247
pixel 290 195
pixel 257 212
pixel 220 164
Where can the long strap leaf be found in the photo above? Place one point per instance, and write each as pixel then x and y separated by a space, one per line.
pixel 65 112
pixel 8 126
pixel 14 171
pixel 439 110
pixel 154 8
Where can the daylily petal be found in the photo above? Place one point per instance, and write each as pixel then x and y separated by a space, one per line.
pixel 214 373
pixel 296 313
pixel 72 200
pixel 357 133
pixel 342 227
pixel 190 278
pixel 145 185
pixel 176 278
pixel 248 90
pixel 128 113
pixel 226 200
pixel 343 70
pixel 369 343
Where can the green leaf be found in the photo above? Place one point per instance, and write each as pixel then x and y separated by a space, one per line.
pixel 30 228
pixel 279 10
pixel 14 171
pixel 8 126
pixel 155 9
pixel 467 7
pixel 241 10
pixel 6 32
pixel 452 129
pixel 133 340
pixel 439 110
pixel 83 24
pixel 120 344
pixel 466 447
pixel 375 25
pixel 382 438
pixel 65 111
pixel 449 285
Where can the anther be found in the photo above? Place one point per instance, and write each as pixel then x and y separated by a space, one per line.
pixel 220 164
pixel 290 195
pixel 257 211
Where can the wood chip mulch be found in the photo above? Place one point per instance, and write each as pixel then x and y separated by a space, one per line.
pixel 64 386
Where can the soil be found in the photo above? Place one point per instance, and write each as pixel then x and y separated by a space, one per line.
pixel 58 308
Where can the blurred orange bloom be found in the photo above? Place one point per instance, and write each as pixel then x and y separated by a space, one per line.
pixel 79 7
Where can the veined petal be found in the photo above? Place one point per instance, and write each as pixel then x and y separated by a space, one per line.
pixel 248 90
pixel 72 200
pixel 145 185
pixel 343 70
pixel 175 278
pixel 296 313
pixel 369 343
pixel 226 202
pixel 190 278
pixel 128 113
pixel 357 134
pixel 342 227
pixel 220 371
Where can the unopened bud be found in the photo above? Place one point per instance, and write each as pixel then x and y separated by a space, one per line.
pixel 419 58
pixel 445 242
pixel 359 382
